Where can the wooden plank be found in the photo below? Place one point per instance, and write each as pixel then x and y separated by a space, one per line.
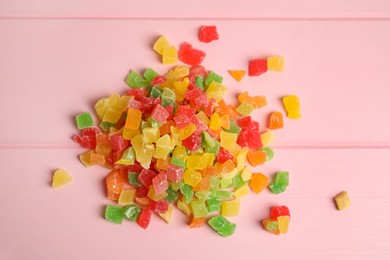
pixel 67 223
pixel 196 9
pixel 53 70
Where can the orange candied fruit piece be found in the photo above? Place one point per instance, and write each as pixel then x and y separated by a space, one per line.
pixel 203 185
pixel 256 157
pixel 115 182
pixel 255 102
pixel 258 182
pixel 237 74
pixel 166 128
pixel 196 222
pixel 275 120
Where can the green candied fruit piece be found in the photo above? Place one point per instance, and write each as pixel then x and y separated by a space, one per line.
pixel 233 128
pixel 281 179
pixel 135 80
pixel 132 212
pixel 150 74
pixel 215 181
pixel 272 226
pixel 199 82
pixel 172 195
pixel 276 189
pixel 270 153
pixel 168 97
pixel 227 230
pixel 176 186
pixel 199 208
pixel 105 125
pixel 178 162
pixel 133 179
pixel 187 192
pixel 84 120
pixel 221 194
pixel 210 144
pixel 155 92
pixel 237 181
pixel 154 123
pixel 212 76
pixel 226 183
pixel 114 214
pixel 222 226
pixel 202 195
pixel 213 204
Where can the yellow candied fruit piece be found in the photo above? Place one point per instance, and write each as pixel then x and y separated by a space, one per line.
pixel 186 131
pixel 275 63
pixel 126 197
pixel 104 149
pixel 183 207
pixel 181 86
pixel 180 153
pixel 169 55
pixel 241 191
pixel 241 158
pixel 216 91
pixel 85 158
pixel 208 159
pixel 267 138
pixel 156 197
pixel 167 216
pixel 129 134
pixel 230 175
pixel 203 117
pixel 101 107
pixel 292 107
pixel 133 119
pixel 151 135
pixel 215 122
pixel 192 177
pixel 342 200
pixel 283 222
pixel 246 174
pixel 175 136
pixel 60 178
pixel 161 43
pixel 195 162
pixel 228 140
pixel 230 208
pixel 161 152
pixel 111 115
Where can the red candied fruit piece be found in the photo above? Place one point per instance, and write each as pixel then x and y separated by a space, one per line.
pixel 189 55
pixel 210 107
pixel 160 206
pixel 279 211
pixel 136 167
pixel 138 93
pixel 257 67
pixel 200 101
pixel 246 123
pixel 194 93
pixel 169 109
pixel 250 139
pixel 87 138
pixel 146 177
pixel 200 126
pixel 160 183
pixel 158 80
pixel 142 192
pixel 159 114
pixel 118 143
pixel 208 33
pixel 198 70
pixel 187 111
pixel 181 120
pixel 175 173
pixel 193 142
pixel 224 155
pixel 144 218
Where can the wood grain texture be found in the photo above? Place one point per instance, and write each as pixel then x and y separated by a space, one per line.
pixel 197 9
pixel 38 221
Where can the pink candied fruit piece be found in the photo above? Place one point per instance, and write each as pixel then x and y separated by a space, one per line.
pixel 194 93
pixel 200 101
pixel 118 143
pixel 160 183
pixel 159 114
pixel 189 55
pixel 187 111
pixel 174 173
pixel 208 33
pixel 160 206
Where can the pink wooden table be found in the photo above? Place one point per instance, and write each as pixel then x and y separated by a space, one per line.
pixel 58 58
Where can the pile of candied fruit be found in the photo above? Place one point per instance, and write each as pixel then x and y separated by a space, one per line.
pixel 172 143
